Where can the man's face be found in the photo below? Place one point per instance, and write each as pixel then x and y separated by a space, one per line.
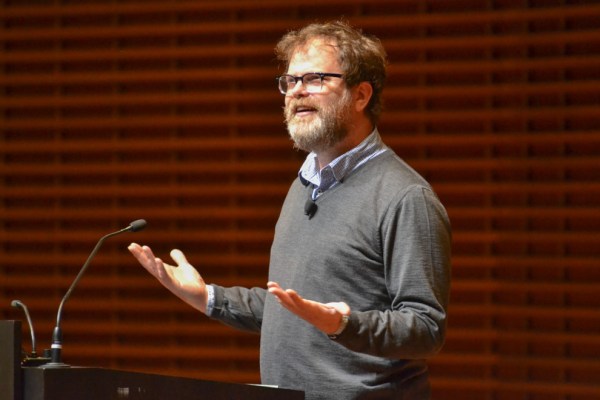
pixel 317 121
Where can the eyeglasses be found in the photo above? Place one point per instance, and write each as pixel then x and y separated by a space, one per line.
pixel 312 81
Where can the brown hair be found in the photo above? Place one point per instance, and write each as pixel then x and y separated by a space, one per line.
pixel 361 57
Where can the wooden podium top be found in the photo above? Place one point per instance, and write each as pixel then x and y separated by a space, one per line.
pixel 106 384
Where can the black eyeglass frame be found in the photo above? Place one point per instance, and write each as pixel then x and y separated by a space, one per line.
pixel 301 78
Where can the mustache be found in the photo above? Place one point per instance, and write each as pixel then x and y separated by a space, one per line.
pixel 296 104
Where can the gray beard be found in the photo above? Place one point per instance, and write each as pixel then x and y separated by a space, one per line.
pixel 324 130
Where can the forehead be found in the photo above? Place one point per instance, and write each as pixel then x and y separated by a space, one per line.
pixel 315 56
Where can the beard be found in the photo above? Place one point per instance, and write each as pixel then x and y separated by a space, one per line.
pixel 328 126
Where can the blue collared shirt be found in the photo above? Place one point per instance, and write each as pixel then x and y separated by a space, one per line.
pixel 336 171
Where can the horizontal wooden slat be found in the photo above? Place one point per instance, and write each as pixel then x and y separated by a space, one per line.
pixel 480 94
pixel 515 388
pixel 245 189
pixel 50 145
pixel 463 286
pixel 237 5
pixel 249 235
pixel 409 21
pixel 110 121
pixel 256 167
pixel 259 212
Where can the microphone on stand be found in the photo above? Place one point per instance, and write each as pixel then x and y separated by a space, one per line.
pixel 31 360
pixel 21 305
pixel 56 349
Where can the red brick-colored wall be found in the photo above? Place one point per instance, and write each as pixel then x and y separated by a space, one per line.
pixel 116 110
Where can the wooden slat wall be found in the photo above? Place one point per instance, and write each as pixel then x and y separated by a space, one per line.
pixel 116 110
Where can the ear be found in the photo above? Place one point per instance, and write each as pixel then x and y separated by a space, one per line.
pixel 362 95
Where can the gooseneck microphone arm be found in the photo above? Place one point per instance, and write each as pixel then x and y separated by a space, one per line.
pixel 56 348
pixel 20 304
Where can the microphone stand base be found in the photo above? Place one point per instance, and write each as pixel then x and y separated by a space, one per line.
pixel 35 361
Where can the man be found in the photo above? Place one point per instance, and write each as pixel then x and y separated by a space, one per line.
pixel 359 270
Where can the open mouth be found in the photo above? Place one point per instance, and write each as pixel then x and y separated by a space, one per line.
pixel 302 111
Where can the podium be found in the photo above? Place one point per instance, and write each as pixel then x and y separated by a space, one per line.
pixel 34 383
pixel 106 384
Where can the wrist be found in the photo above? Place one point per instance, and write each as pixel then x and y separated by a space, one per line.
pixel 341 328
pixel 209 300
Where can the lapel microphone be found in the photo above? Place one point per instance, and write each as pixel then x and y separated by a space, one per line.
pixel 310 207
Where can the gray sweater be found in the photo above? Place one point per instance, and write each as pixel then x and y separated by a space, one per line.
pixel 379 241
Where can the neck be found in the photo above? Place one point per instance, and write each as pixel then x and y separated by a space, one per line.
pixel 359 132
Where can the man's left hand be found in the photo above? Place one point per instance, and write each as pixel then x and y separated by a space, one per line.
pixel 325 317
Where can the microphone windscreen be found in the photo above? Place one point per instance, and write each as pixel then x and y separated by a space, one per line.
pixel 137 225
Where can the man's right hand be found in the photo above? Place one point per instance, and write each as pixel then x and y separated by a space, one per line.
pixel 183 280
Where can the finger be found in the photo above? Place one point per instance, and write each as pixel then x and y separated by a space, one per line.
pixel 133 247
pixel 178 256
pixel 147 253
pixel 143 255
pixel 153 264
pixel 291 300
pixel 159 268
pixel 282 297
pixel 136 250
pixel 277 292
pixel 294 297
pixel 274 288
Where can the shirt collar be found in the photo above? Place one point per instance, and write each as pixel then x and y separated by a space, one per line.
pixel 337 170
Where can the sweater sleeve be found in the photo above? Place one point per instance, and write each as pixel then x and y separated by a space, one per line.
pixel 415 235
pixel 239 307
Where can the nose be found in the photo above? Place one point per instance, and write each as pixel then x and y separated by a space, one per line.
pixel 298 90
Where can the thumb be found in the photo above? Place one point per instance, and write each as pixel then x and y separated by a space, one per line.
pixel 178 257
